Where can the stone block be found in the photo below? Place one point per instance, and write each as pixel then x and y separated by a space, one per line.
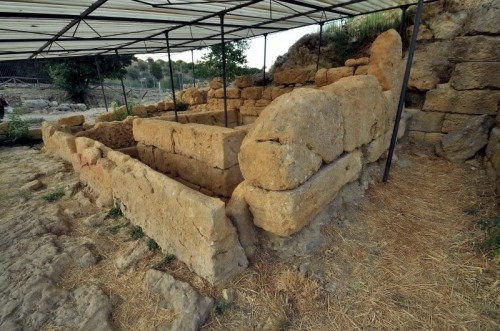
pixel 475 49
pixel 453 121
pixel 254 93
pixel 59 143
pixel 385 60
pixel 214 118
pixel 248 119
pixel 216 83
pixel 194 96
pixel 140 111
pixel 151 108
pixel 426 121
pixel 476 75
pixel 216 146
pixel 252 111
pixel 430 66
pixel 262 103
pixel 361 70
pixel 112 134
pixel 321 77
pixel 155 132
pixel 231 93
pixel 105 117
pixel 267 93
pixel 334 74
pixel 286 212
pixel 184 222
pixel 249 102
pixel 243 81
pixel 71 120
pixel 291 76
pixel 218 104
pixel 279 91
pixel 376 149
pixel 475 102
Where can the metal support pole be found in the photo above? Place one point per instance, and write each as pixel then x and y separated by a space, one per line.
pixel 192 68
pixel 402 24
pixel 171 77
pixel 123 88
pixel 100 81
pixel 265 51
pixel 319 44
pixel 404 87
pixel 223 66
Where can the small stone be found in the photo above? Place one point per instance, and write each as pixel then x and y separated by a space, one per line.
pixel 95 220
pixel 32 186
pixel 228 295
pixel 305 269
pixel 330 287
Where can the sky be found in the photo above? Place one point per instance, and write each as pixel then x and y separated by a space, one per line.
pixel 277 44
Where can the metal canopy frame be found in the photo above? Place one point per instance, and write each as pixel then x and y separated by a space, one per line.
pixel 59 28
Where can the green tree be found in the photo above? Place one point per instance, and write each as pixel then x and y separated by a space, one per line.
pixel 155 69
pixel 211 64
pixel 74 75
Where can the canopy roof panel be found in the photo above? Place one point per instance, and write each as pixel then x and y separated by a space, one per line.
pixel 61 28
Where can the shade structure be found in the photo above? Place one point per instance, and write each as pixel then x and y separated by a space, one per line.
pixel 63 28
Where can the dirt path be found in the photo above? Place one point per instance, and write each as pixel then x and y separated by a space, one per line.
pixel 404 258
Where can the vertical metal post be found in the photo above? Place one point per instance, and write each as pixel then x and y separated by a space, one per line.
pixel 192 68
pixel 171 77
pixel 100 81
pixel 402 24
pixel 319 44
pixel 221 15
pixel 404 87
pixel 265 51
pixel 123 87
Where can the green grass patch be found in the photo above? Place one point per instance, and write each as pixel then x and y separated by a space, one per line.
pixel 115 213
pixel 54 196
pixel 165 262
pixel 490 245
pixel 136 233
pixel 152 244
pixel 221 307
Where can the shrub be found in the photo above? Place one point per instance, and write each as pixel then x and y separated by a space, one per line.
pixel 119 112
pixel 136 233
pixel 115 213
pixel 54 196
pixel 18 128
pixel 182 106
pixel 152 244
pixel 169 258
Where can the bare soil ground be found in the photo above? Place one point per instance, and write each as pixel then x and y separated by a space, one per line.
pixel 405 258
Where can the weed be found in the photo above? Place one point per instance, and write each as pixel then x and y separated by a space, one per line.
pixel 152 244
pixel 54 196
pixel 491 243
pixel 221 307
pixel 169 258
pixel 119 112
pixel 18 128
pixel 136 233
pixel 115 213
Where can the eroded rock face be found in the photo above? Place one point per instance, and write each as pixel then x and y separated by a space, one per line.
pixel 304 125
pixel 194 96
pixel 385 60
pixel 114 134
pixel 476 75
pixel 430 66
pixel 464 142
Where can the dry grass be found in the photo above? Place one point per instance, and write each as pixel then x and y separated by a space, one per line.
pixel 404 261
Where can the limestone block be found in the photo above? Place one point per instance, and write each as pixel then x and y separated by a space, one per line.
pixel 350 63
pixel 211 117
pixel 433 138
pixel 476 75
pixel 194 96
pixel 155 132
pixel 364 109
pixel 357 62
pixel 361 70
pixel 186 223
pixel 278 91
pixel 321 78
pixel 140 110
pixel 464 142
pixel 231 93
pixel 112 134
pixel 254 93
pixel 238 211
pixel 475 49
pixel 376 149
pixel 218 104
pixel 248 119
pixel 273 166
pixel 105 117
pixel 474 102
pixel 385 60
pixel 447 25
pixel 71 120
pixel 454 121
pixel 484 19
pixel 430 66
pixel 287 212
pixel 59 143
pixel 416 136
pixel 291 76
pixel 249 102
pixel 262 102
pixel 251 110
pixel 427 121
pixel 334 74
pixel 211 94
pixel 216 146
pixel 150 108
pixel 216 83
pixel 267 93
pixel 243 81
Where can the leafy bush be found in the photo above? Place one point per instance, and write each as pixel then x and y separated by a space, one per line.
pixel 18 128
pixel 152 244
pixel 54 196
pixel 136 233
pixel 115 212
pixel 119 112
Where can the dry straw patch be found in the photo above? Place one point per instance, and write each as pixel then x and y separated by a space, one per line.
pixel 405 260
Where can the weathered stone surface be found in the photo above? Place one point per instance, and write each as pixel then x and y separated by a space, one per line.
pixel 433 138
pixel 214 118
pixel 361 70
pixel 334 74
pixel 254 93
pixel 150 108
pixel 248 119
pixel 493 158
pixel 262 103
pixel 279 91
pixel 475 102
pixel 357 62
pixel 115 134
pixel 243 81
pixel 364 109
pixel 385 60
pixel 238 211
pixel 475 49
pixel 287 212
pixel 447 25
pixel 321 77
pixel 216 146
pixel 136 251
pixel 249 102
pixel 376 149
pixel 454 121
pixel 286 165
pixel 427 121
pixel 71 120
pixel 267 93
pixel 430 66
pixel 476 75
pixel 190 308
pixel 140 110
pixel 59 143
pixel 194 96
pixel 216 83
pixel 155 132
pixel 231 93
pixel 183 222
pixel 32 186
pixel 464 142
pixel 252 111
pixel 105 117
pixel 291 76
pixel 484 19
pixel 218 104
pixel 424 33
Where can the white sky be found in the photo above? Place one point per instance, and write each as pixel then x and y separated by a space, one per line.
pixel 277 44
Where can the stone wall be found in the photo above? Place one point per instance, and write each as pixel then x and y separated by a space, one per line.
pixel 184 222
pixel 205 157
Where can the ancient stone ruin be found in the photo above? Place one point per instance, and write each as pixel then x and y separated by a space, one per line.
pixel 201 189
